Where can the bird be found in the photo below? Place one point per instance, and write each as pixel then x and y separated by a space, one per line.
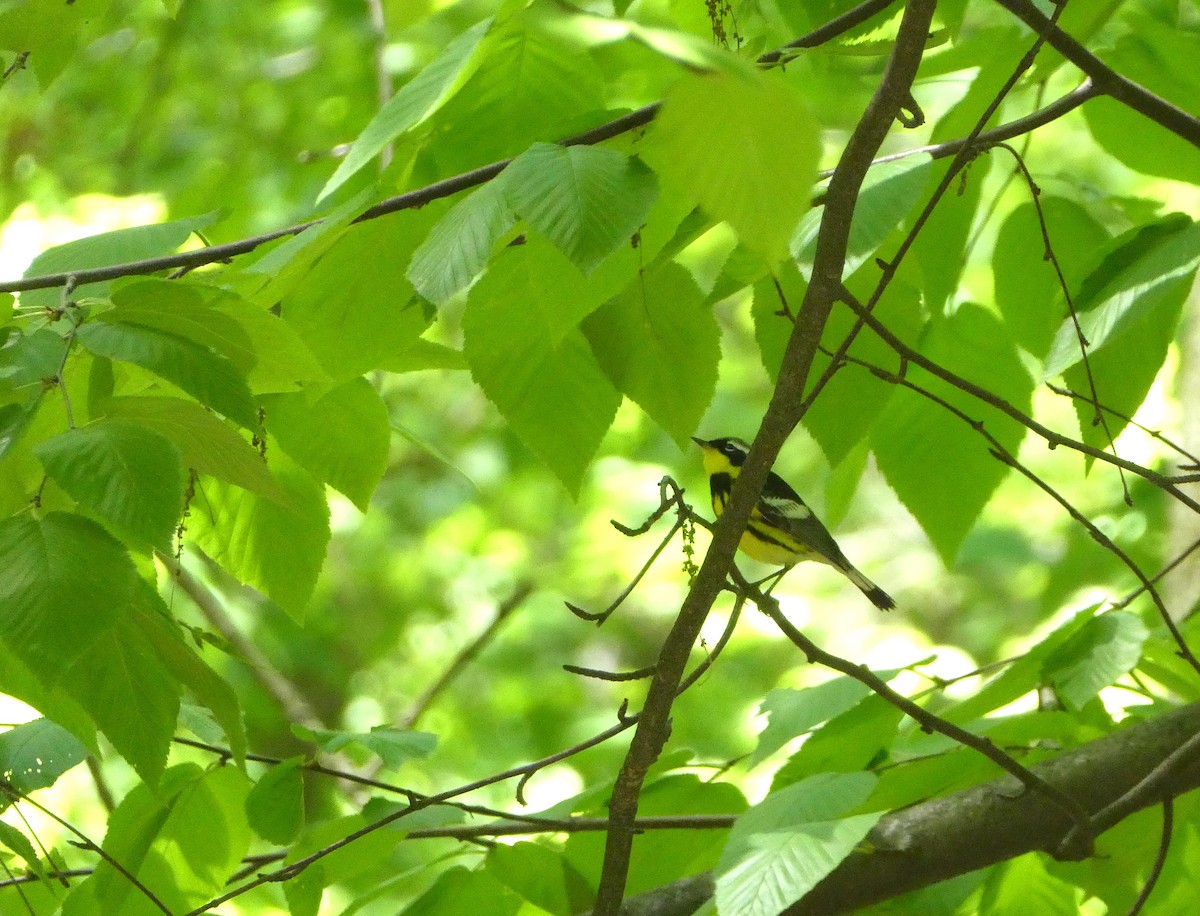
pixel 782 530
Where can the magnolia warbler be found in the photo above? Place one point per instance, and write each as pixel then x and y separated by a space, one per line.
pixel 782 530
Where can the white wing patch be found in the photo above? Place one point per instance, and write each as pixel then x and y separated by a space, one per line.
pixel 788 508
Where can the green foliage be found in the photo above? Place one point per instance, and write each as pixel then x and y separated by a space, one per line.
pixel 177 558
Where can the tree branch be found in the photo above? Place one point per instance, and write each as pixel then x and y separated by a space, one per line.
pixel 892 97
pixel 938 839
pixel 1107 80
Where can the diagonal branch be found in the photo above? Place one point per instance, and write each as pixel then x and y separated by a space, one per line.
pixel 1107 80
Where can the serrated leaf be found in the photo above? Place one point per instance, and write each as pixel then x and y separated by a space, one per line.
pixel 108 248
pixel 209 377
pixel 1158 280
pixel 791 713
pixel 186 843
pixel 132 829
pixel 779 849
pixel 64 583
pixel 659 344
pixel 916 439
pixel 27 359
pixel 34 754
pixel 745 147
pixel 1028 292
pixel 130 694
pixel 278 548
pixel 1022 885
pixel 523 350
pixel 181 309
pixel 416 101
pixel 275 805
pixel 530 86
pixel 17 842
pixel 189 669
pixel 205 442
pixel 356 307
pixel 588 201
pixel 341 437
pixel 457 249
pixel 889 193
pixel 127 474
pixel 1107 647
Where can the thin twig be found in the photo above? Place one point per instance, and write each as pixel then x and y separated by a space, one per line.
pixel 467 654
pixel 1160 858
pixel 13 795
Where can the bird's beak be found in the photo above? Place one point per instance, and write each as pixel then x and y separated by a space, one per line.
pixel 700 442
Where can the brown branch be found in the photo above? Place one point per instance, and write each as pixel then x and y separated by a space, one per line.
pixel 653 727
pixel 419 197
pixel 1107 80
pixel 941 838
pixel 933 723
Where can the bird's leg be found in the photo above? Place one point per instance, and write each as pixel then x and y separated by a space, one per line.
pixel 774 578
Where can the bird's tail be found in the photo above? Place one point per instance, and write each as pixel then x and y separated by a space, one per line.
pixel 874 593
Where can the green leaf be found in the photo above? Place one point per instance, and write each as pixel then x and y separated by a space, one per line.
pixel 848 406
pixel 588 201
pixel 416 101
pixel 185 665
pixel 27 359
pixel 1107 647
pixel 64 583
pixel 459 891
pixel 425 354
pixel 458 247
pixel 205 442
pixel 889 193
pixel 341 437
pixel 659 344
pixel 17 842
pixel 182 309
pixel 209 377
pixel 108 248
pixel 132 828
pixel 745 147
pixel 356 307
pixel 1028 292
pixel 531 85
pixel 275 806
pixel 129 693
pixel 1162 58
pixel 185 844
pixel 1145 289
pixel 33 755
pixel 916 437
pixel 127 474
pixel 393 746
pixel 541 876
pixel 791 713
pixel 847 743
pixel 779 849
pixel 242 532
pixel 521 344
pixel 1022 885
